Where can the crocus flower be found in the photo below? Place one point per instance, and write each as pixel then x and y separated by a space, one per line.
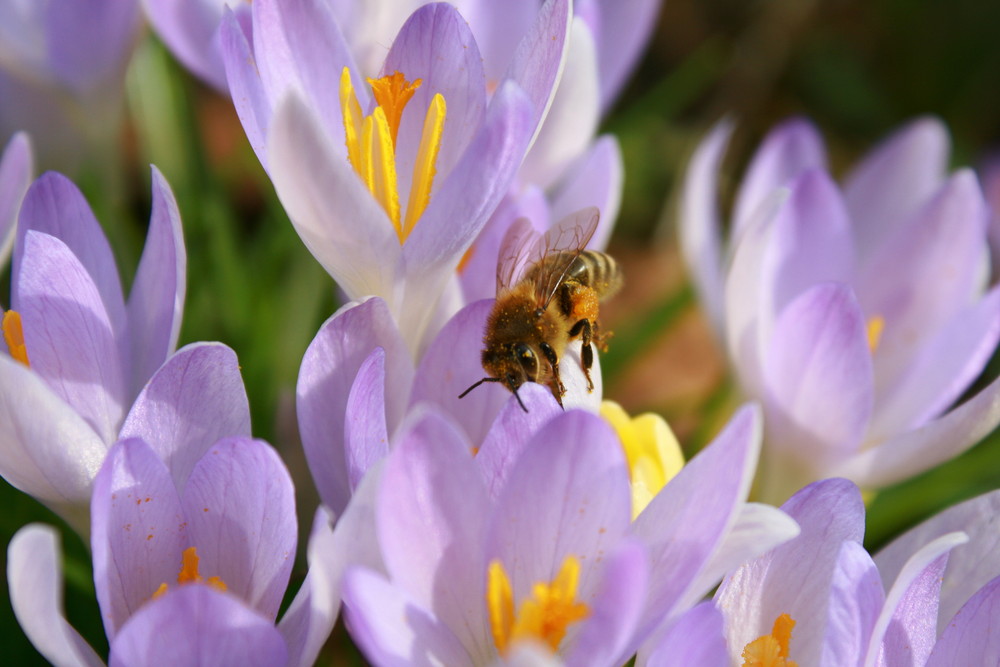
pixel 189 569
pixel 438 157
pixel 16 169
pixel 86 367
pixel 819 599
pixel 62 68
pixel 857 314
pixel 531 539
pixel 190 29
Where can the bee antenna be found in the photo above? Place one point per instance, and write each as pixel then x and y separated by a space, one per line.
pixel 519 401
pixel 486 379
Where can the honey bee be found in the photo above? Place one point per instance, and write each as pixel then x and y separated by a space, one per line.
pixel 548 291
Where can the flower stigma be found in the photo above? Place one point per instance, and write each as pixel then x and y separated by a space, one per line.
pixel 371 145
pixel 875 326
pixel 189 574
pixel 544 616
pixel 771 650
pixel 651 450
pixel 13 335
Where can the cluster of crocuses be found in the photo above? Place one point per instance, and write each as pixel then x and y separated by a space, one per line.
pixel 403 140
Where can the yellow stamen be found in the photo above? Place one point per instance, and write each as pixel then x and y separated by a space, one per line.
pixel 371 145
pixel 544 617
pixel 13 335
pixel 189 574
pixel 392 94
pixel 383 169
pixel 424 166
pixel 771 650
pixel 653 454
pixel 462 263
pixel 875 326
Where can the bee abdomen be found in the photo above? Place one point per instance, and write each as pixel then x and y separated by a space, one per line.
pixel 598 271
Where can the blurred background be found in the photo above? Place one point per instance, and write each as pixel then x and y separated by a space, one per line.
pixel 857 68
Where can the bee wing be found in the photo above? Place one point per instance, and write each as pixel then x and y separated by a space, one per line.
pixel 559 248
pixel 517 246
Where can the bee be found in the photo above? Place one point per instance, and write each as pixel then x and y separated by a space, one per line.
pixel 548 291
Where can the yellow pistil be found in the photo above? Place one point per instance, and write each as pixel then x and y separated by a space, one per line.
pixel 543 617
pixel 189 574
pixel 392 93
pixel 371 145
pixel 875 326
pixel 771 650
pixel 653 454
pixel 13 335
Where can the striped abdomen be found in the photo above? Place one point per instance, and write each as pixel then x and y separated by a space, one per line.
pixel 598 271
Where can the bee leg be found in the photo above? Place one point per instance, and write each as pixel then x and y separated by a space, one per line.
pixel 558 389
pixel 587 351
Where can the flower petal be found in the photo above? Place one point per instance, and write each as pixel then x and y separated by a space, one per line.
pixel 196 398
pixel 366 436
pixel 245 87
pixel 240 508
pixel 328 370
pixel 789 149
pixel 970 566
pixel 46 449
pixel 812 241
pixel 88 43
pixel 156 302
pixel 298 47
pixel 894 179
pixel 758 529
pixel 854 602
pixel 463 203
pixel 55 206
pixel 596 179
pixel 451 364
pixel 354 240
pixel 310 617
pixel 625 29
pixel 71 339
pixel 430 523
pixel 540 57
pixel 16 167
pixel 437 46
pixel 819 378
pixel 138 531
pixel 34 576
pixel 942 370
pixel 699 227
pixel 568 495
pixel 913 452
pixel 795 578
pixel 195 625
pixel 189 30
pixel 573 116
pixel 603 637
pixel 695 640
pixel 391 628
pixel 701 503
pixel 935 260
pixel 511 432
pixel 905 630
pixel 969 637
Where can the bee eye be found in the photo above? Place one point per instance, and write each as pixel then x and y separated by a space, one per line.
pixel 529 362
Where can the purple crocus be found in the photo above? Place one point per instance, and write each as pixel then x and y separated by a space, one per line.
pixel 820 599
pixel 86 367
pixel 190 29
pixel 409 203
pixel 16 170
pixel 857 314
pixel 531 540
pixel 189 569
pixel 62 70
